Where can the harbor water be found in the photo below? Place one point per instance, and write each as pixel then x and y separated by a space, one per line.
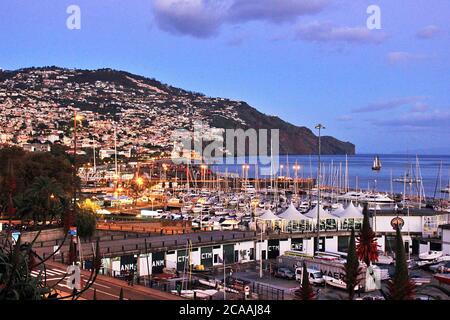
pixel 432 170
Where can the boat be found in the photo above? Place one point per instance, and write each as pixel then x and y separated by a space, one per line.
pixel 407 179
pixel 376 198
pixel 351 196
pixel 443 277
pixel 430 255
pixel 446 190
pixel 173 202
pixel 337 283
pixel 376 164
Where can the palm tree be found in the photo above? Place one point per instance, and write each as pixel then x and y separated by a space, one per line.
pixel 42 200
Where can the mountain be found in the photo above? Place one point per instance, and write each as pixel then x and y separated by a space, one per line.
pixel 144 108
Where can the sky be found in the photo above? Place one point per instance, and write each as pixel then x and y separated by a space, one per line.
pixel 307 61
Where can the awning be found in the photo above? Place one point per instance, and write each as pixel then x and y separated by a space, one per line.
pixel 292 214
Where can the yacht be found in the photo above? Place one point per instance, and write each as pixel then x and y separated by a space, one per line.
pixel 377 198
pixel 351 196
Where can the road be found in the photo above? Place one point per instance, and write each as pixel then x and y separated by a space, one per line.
pixel 107 288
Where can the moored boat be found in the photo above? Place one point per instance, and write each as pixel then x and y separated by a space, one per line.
pixel 443 277
pixel 430 255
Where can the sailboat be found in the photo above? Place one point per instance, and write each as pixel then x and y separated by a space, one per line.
pixel 376 164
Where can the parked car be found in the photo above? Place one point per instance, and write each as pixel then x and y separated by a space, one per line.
pixel 284 273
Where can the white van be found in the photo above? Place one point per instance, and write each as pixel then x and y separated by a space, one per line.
pixel 315 276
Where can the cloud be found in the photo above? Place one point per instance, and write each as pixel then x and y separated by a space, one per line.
pixel 198 18
pixel 276 11
pixel 328 32
pixel 436 119
pixel 420 107
pixel 428 32
pixel 388 104
pixel 204 18
pixel 398 57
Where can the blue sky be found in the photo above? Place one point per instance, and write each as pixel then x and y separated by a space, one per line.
pixel 306 61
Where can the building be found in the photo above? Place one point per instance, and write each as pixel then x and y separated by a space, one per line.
pixel 36 147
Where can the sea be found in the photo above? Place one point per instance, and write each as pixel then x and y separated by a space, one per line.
pixel 432 170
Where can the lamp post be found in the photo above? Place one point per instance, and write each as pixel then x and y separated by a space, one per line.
pixel 319 127
pixel 73 246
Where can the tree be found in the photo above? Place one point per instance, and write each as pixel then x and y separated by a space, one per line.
pixel 401 287
pixel 367 247
pixel 306 290
pixel 85 222
pixel 17 260
pixel 352 267
pixel 42 200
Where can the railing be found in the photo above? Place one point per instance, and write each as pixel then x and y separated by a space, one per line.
pixel 267 292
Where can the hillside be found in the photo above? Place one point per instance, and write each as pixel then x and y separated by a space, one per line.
pixel 40 100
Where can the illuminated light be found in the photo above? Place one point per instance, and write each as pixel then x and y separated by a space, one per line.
pixel 79 117
pixel 140 181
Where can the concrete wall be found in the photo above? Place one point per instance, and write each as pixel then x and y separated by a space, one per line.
pixel 171 260
pixel 142 264
pixel 195 257
pixel 412 223
pixel 285 246
pixel 45 235
pixel 331 244
pixel 308 246
pixel 260 246
pixel 219 252
pixel 245 247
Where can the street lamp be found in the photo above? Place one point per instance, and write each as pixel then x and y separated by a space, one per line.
pixel 319 127
pixel 76 118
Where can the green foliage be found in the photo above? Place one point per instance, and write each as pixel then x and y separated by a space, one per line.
pixel 306 290
pixel 401 287
pixel 16 282
pixel 42 200
pixel 85 222
pixel 25 169
pixel 351 267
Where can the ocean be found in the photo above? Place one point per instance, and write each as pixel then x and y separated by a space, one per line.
pixel 434 171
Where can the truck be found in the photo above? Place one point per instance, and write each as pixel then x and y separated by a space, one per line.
pixel 315 276
pixel 332 269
